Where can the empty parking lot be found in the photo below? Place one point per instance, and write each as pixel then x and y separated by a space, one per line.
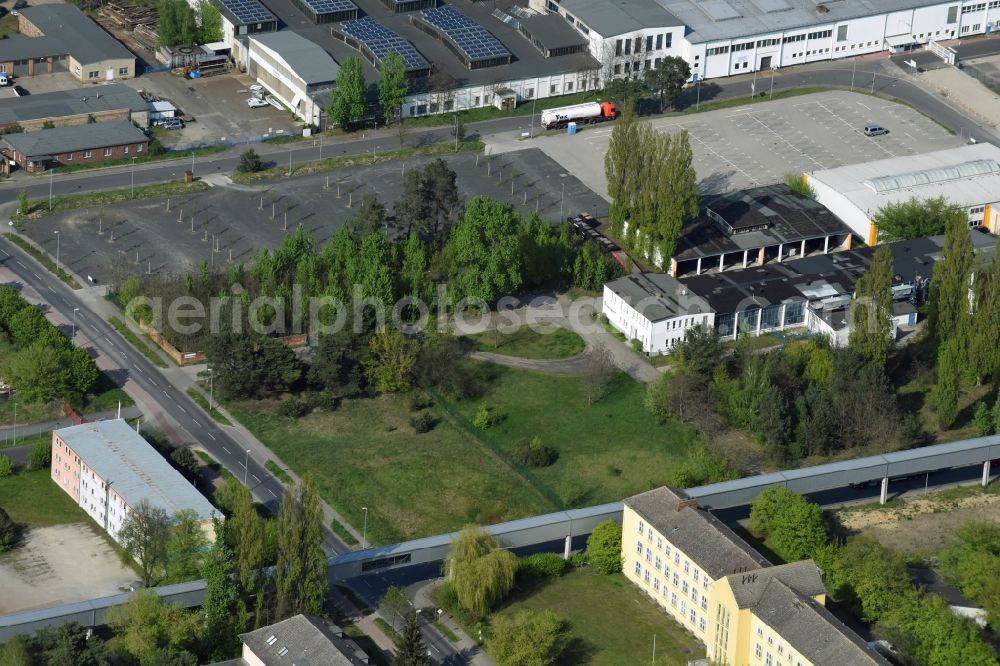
pixel 759 144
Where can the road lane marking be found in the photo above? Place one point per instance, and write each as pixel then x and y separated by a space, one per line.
pixel 211 435
pixel 255 478
pixel 36 275
pixel 272 493
pixel 139 370
pixel 182 408
pixel 226 450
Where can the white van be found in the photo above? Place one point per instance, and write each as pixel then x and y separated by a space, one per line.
pixel 4 79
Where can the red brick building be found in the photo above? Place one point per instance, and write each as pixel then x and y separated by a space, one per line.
pixel 36 152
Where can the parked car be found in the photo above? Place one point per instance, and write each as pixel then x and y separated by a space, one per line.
pixel 256 102
pixel 173 124
pixel 19 91
pixel 875 130
pixel 5 79
pixel 20 4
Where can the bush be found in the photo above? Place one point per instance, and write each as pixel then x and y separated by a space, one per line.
pixel 533 453
pixel 485 418
pixel 604 547
pixel 542 565
pixel 6 466
pixel 9 532
pixel 636 345
pixel 419 401
pixel 577 560
pixel 324 400
pixel 40 456
pixel 293 408
pixel 249 162
pixel 423 422
pixel 185 461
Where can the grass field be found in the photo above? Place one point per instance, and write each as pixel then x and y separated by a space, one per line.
pixel 33 498
pixel 366 454
pixel 607 451
pixel 546 342
pixel 610 622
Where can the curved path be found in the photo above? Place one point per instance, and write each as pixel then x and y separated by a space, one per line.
pixel 574 365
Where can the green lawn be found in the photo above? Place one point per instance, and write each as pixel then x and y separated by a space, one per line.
pixel 34 498
pixel 610 622
pixel 366 454
pixel 545 342
pixel 607 451
pixel 106 397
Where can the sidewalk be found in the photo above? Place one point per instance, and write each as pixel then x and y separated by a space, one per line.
pixel 31 429
pixel 466 648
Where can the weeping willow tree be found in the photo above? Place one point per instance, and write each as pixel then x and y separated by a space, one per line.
pixel 480 572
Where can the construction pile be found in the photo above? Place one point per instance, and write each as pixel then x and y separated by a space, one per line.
pixel 140 21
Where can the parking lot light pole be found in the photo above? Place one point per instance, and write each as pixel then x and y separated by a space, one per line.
pixel 364 532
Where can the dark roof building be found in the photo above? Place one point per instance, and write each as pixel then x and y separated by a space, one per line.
pixel 92 142
pixel 304 640
pixel 76 106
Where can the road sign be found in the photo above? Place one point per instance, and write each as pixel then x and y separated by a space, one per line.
pixel 912 63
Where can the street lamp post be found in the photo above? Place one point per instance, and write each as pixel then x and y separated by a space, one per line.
pixel 246 467
pixel 133 178
pixel 561 200
pixel 364 532
pixel 51 171
pixel 854 70
pixel 75 310
pixel 57 251
pixel 192 164
pixel 771 95
pixel 531 129
pixel 211 376
pixel 14 434
pixel 456 131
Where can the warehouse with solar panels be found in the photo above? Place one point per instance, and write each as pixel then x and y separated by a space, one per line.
pixel 401 6
pixel 328 11
pixel 374 41
pixel 246 17
pixel 471 43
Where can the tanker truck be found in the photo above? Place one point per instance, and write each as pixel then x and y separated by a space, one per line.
pixel 581 114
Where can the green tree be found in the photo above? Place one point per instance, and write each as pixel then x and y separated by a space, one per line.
pixel 38 375
pixel 245 535
pixel 391 364
pixel 792 524
pixel 700 467
pixel 949 312
pixel 369 219
pixel 394 605
pixel 667 79
pixel 984 345
pixel 222 596
pixel 210 22
pixel 145 627
pixel 411 650
pixel 441 189
pixel 6 466
pixel 480 572
pixel 300 572
pixel 250 161
pixel 604 547
pixel 916 218
pixel 947 390
pixel 23 203
pixel 40 456
pixel 483 251
pixel 347 102
pixel 995 413
pixel 983 420
pixel 9 531
pixel 677 193
pixel 376 274
pixel 15 653
pixel 392 85
pixel 871 309
pixel 414 271
pixel 527 638
pixel 186 546
pixel 621 168
pixel 143 536
pixel 700 350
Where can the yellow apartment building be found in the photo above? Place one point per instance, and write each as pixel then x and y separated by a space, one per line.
pixel 725 593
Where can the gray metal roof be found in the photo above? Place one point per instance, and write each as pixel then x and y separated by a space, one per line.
pixel 712 546
pixel 135 470
pixel 89 136
pixel 303 639
pixel 66 30
pixel 615 17
pixel 78 101
pixel 306 58
pixel 657 296
pixel 811 629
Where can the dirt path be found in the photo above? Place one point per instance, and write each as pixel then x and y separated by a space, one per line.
pixel 574 365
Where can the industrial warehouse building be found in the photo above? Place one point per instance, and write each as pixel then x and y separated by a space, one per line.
pixel 967 177
pixel 811 294
pixel 114 101
pixel 39 151
pixel 295 70
pixel 61 38
pixel 108 468
pixel 756 227
pixel 715 585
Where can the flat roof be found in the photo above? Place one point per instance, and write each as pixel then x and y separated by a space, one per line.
pixel 822 276
pixel 760 217
pixel 306 58
pixel 48 142
pixel 657 296
pixel 965 176
pixel 552 30
pixel 135 470
pixel 616 17
pixel 74 102
pixel 66 30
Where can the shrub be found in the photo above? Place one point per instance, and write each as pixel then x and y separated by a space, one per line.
pixel 983 420
pixel 9 532
pixel 484 418
pixel 604 547
pixel 542 565
pixel 249 162
pixel 636 345
pixel 6 466
pixel 423 422
pixel 533 453
pixel 23 203
pixel 324 400
pixel 578 560
pixel 419 401
pixel 185 461
pixel 293 408
pixel 40 456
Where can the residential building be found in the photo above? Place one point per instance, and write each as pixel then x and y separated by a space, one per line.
pixel 811 294
pixel 78 106
pixel 967 177
pixel 725 593
pixel 295 70
pixel 108 468
pixel 301 639
pixel 61 38
pixel 726 37
pixel 36 152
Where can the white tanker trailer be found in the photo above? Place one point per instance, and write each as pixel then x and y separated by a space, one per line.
pixel 581 114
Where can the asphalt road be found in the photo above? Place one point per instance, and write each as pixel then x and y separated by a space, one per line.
pixel 102 338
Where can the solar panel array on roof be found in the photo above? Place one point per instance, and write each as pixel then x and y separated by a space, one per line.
pixel 471 38
pixel 330 6
pixel 248 11
pixel 380 41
